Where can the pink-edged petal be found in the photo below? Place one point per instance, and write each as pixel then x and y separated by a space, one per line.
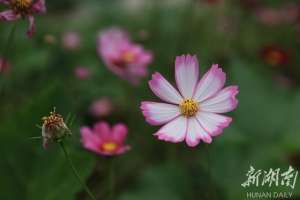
pixel 119 132
pixel 186 74
pixel 5 2
pixel 102 129
pixel 9 15
pixel 223 101
pixel 163 89
pixel 213 123
pixel 174 131
pixel 39 6
pixel 90 140
pixel 196 133
pixel 31 28
pixel 159 113
pixel 210 83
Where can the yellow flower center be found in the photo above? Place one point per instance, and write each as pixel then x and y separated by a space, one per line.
pixel 128 56
pixel 21 5
pixel 188 107
pixel 109 146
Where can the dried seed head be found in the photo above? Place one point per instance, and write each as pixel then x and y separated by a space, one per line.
pixel 21 6
pixel 54 128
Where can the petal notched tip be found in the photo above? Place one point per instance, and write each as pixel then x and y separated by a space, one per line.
pixel 145 110
pixel 167 138
pixel 218 72
pixel 221 127
pixel 234 90
pixel 186 61
pixel 192 143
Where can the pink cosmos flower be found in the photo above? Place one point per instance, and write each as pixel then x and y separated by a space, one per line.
pixel 194 112
pixel 105 140
pixel 101 107
pixel 71 40
pixel 82 73
pixel 124 58
pixel 23 9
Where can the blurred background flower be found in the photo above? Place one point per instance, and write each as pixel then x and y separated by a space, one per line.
pixel 101 107
pixel 71 40
pixel 105 140
pixel 126 59
pixel 275 55
pixel 82 73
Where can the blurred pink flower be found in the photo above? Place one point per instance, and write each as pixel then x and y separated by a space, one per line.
pixel 71 40
pixel 82 73
pixel 269 16
pixel 4 65
pixel 124 58
pixel 291 13
pixel 193 113
pixel 101 107
pixel 288 13
pixel 23 9
pixel 105 140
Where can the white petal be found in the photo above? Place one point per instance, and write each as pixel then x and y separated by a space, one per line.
pixel 174 131
pixel 210 83
pixel 195 133
pixel 223 101
pixel 186 74
pixel 159 113
pixel 163 89
pixel 213 123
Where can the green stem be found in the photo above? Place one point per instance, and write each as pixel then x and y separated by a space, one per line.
pixel 9 41
pixel 212 189
pixel 75 171
pixel 111 180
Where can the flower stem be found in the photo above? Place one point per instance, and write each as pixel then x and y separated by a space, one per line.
pixel 111 180
pixel 212 189
pixel 9 41
pixel 75 171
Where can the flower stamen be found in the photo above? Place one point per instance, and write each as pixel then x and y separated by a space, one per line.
pixel 128 56
pixel 188 107
pixel 109 146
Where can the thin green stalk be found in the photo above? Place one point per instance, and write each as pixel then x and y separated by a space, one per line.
pixel 9 40
pixel 111 180
pixel 75 171
pixel 212 191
